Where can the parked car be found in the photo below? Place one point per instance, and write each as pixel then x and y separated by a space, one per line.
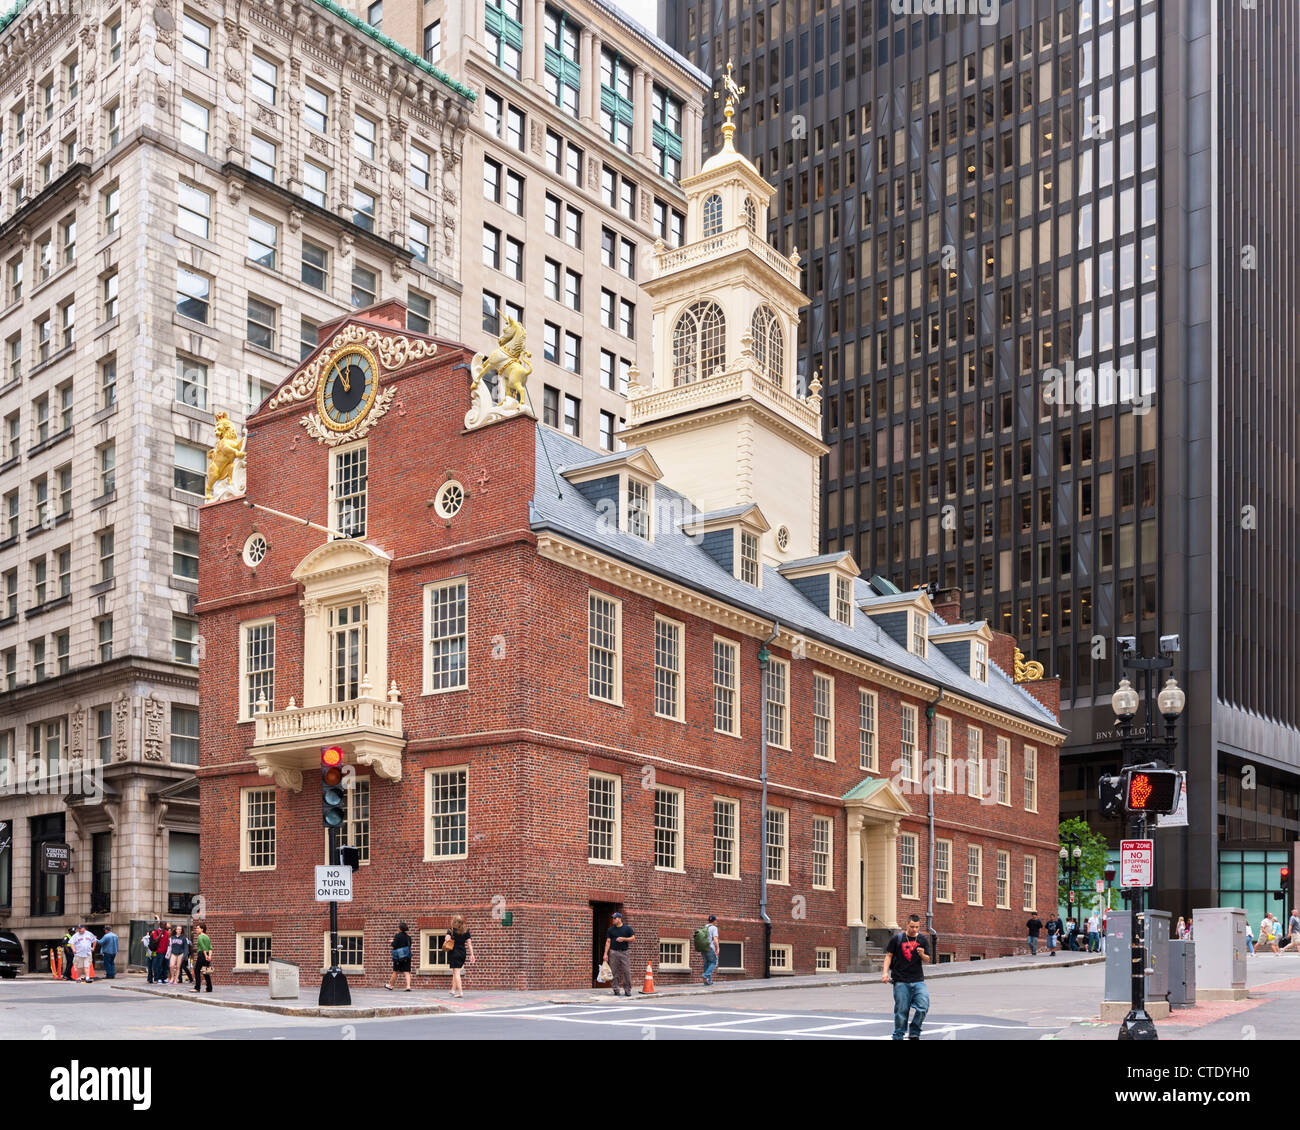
pixel 11 955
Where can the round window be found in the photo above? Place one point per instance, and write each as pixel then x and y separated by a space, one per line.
pixel 783 539
pixel 451 497
pixel 255 550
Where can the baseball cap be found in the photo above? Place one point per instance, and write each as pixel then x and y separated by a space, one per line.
pixel 713 917
pixel 617 914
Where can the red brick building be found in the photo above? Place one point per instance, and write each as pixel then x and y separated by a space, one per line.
pixel 545 666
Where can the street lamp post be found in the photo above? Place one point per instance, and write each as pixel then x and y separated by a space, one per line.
pixel 1110 878
pixel 1071 862
pixel 1138 1025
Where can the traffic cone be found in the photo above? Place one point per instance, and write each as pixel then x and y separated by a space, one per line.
pixel 649 986
pixel 92 970
pixel 56 963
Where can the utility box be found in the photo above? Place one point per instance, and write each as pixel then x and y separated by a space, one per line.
pixel 1182 973
pixel 1119 967
pixel 1157 941
pixel 282 979
pixel 1220 953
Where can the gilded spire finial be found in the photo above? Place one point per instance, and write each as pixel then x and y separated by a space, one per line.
pixel 733 92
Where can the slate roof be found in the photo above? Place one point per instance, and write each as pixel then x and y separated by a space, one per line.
pixel 674 555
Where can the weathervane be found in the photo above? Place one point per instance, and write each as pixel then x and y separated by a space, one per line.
pixel 733 92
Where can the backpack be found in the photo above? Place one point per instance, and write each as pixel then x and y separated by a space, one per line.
pixel 156 942
pixel 702 940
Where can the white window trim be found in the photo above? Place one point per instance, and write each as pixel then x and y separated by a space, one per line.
pixel 440 969
pixel 1031 759
pixel 244 794
pixel 784 881
pixel 244 625
pixel 830 853
pixel 734 648
pixel 1030 890
pixel 427 601
pixel 917 619
pixel 344 449
pixel 239 948
pixel 946 785
pixel 1004 757
pixel 912 768
pixel 830 720
pixel 784 743
pixel 788 950
pixel 735 836
pixel 429 773
pixel 687 949
pixel 733 968
pixel 625 502
pixel 975 763
pixel 874 756
pixel 976 664
pixel 617 700
pixel 679 706
pixel 737 556
pixel 1001 855
pixel 979 875
pixel 679 862
pixel 325 964
pixel 916 866
pixel 617 861
pixel 936 870
pixel 834 956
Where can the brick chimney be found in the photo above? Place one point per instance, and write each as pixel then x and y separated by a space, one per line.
pixel 947 605
pixel 1048 692
pixel 1003 652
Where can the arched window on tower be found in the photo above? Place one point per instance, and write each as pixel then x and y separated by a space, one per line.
pixel 751 214
pixel 712 214
pixel 699 342
pixel 769 345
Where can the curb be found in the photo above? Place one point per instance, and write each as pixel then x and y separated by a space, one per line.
pixel 324 1012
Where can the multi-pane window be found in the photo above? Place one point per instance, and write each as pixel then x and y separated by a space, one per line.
pixel 844 600
pixel 821 852
pixel 638 508
pixel 572 405
pixel 975 875
pixel 365 284
pixel 347 651
pixel 943 753
pixel 261 323
pixel 104 541
pixel 189 467
pixel 1004 770
pixel 113 123
pixel 363 209
pixel 420 167
pixel 110 197
pixel 943 870
pixel 364 132
pixel 315 267
pixel 257 643
pixel 616 111
pixel 259 827
pixel 672 955
pixel 867 730
pixel 184 744
pixel 607 426
pixel 917 636
pixel 315 182
pixel 254 950
pixel 350 476
pixel 1031 883
pixel 446 620
pixel 196 41
pixel 316 108
pixel 418 240
pixel 264 79
pixel 1031 779
pixel 726 666
pixel 308 337
pixel 563 66
pixel 419 311
pixel 604 646
pixel 185 640
pixel 699 343
pixel 778 686
pixel 448 806
pixel 907 852
pixel 104 735
pixel 505 34
pixel 907 733
pixel 668 828
pixel 776 826
pixel 110 300
pixel 980 661
pixel 726 856
pixel 185 553
pixel 1004 880
pixel 974 762
pixel 263 239
pixel 749 558
pixel 355 830
pixel 823 717
pixel 604 819
pixel 668 668
pixel 14 359
pixel 195 122
pixel 193 295
pixel 433 42
pixel 666 134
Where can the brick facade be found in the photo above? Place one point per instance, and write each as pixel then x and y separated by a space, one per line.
pixel 529 734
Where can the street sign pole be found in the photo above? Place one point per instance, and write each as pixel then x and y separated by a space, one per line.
pixel 334 985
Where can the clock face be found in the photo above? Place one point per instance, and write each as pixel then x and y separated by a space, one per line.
pixel 348 390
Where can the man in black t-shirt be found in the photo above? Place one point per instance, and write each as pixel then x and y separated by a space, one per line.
pixel 1032 927
pixel 616 953
pixel 905 959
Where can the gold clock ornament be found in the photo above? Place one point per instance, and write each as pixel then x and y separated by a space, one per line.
pixel 348 398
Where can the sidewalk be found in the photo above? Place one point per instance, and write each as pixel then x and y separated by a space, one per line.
pixel 369 1002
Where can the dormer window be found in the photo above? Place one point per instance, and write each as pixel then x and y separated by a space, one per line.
pixel 638 508
pixel 712 215
pixel 917 635
pixel 844 601
pixel 979 666
pixel 749 558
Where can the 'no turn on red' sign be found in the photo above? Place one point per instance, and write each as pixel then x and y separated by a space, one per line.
pixel 1136 863
pixel 333 884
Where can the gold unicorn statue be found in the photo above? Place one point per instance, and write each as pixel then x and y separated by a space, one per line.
pixel 512 363
pixel 224 456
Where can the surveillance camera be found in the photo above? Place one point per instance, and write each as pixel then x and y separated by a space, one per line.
pixel 1168 645
pixel 1127 644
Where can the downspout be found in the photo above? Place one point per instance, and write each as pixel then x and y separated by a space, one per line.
pixel 929 742
pixel 763 658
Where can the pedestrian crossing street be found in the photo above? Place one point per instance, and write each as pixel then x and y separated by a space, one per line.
pixel 655 1018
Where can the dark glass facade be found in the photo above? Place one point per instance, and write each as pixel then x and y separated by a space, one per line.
pixel 1025 331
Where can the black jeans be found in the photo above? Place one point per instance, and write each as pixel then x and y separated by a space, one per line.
pixel 201 970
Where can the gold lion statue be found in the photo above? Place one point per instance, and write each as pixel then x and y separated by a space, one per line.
pixel 227 449
pixel 510 360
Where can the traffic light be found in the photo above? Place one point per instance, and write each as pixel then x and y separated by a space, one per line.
pixel 333 803
pixel 1283 884
pixel 1151 790
pixel 1110 795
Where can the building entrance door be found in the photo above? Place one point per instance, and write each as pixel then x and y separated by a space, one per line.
pixel 601 921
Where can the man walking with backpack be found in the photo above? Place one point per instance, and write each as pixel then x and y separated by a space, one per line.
pixel 156 957
pixel 706 943
pixel 905 959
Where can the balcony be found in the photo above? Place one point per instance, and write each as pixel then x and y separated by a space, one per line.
pixel 368 729
pixel 724 244
pixel 741 382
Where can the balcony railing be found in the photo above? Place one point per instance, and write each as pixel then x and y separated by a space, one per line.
pixel 728 385
pixel 312 721
pixel 285 742
pixel 737 239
